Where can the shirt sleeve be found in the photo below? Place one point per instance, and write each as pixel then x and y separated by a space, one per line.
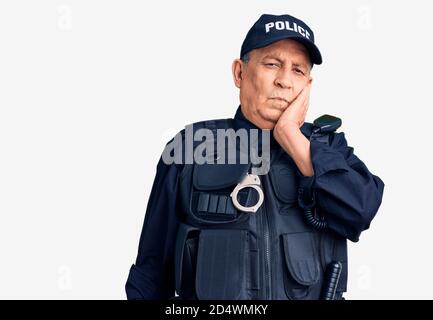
pixel 152 275
pixel 346 192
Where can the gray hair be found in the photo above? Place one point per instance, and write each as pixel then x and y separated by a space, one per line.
pixel 246 57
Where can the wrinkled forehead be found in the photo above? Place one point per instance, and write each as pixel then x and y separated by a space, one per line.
pixel 284 49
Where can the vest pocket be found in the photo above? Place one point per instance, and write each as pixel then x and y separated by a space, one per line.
pixel 210 201
pixel 216 264
pixel 285 182
pixel 301 263
pixel 185 261
pixel 221 272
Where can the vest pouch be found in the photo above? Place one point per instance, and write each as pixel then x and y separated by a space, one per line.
pixel 221 265
pixel 210 196
pixel 285 182
pixel 302 265
pixel 185 261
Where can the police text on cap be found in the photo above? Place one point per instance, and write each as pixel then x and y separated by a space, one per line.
pixel 281 25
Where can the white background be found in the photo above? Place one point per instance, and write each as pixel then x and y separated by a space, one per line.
pixel 90 92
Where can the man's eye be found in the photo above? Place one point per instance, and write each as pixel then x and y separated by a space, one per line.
pixel 271 64
pixel 299 71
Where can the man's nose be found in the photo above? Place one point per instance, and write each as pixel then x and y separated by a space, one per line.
pixel 284 79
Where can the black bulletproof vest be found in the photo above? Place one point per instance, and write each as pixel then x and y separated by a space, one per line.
pixel 272 254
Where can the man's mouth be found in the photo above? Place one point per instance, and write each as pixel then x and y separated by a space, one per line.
pixel 281 99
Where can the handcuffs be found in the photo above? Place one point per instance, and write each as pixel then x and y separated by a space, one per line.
pixel 249 181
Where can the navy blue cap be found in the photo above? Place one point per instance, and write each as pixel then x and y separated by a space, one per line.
pixel 270 28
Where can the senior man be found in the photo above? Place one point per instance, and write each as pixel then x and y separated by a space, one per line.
pixel 228 230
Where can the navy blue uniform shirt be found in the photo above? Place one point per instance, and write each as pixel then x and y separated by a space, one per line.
pixel 346 191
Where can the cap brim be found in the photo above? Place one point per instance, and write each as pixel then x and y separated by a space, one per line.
pixel 315 56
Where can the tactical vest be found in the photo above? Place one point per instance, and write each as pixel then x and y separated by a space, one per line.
pixel 272 254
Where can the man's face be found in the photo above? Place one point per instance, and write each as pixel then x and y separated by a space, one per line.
pixel 271 80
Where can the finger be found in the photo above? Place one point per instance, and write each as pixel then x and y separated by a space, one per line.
pixel 307 93
pixel 306 90
pixel 307 100
pixel 304 115
pixel 308 87
pixel 307 103
pixel 303 95
pixel 306 106
pixel 303 92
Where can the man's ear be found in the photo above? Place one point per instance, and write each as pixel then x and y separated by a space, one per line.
pixel 237 69
pixel 310 81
